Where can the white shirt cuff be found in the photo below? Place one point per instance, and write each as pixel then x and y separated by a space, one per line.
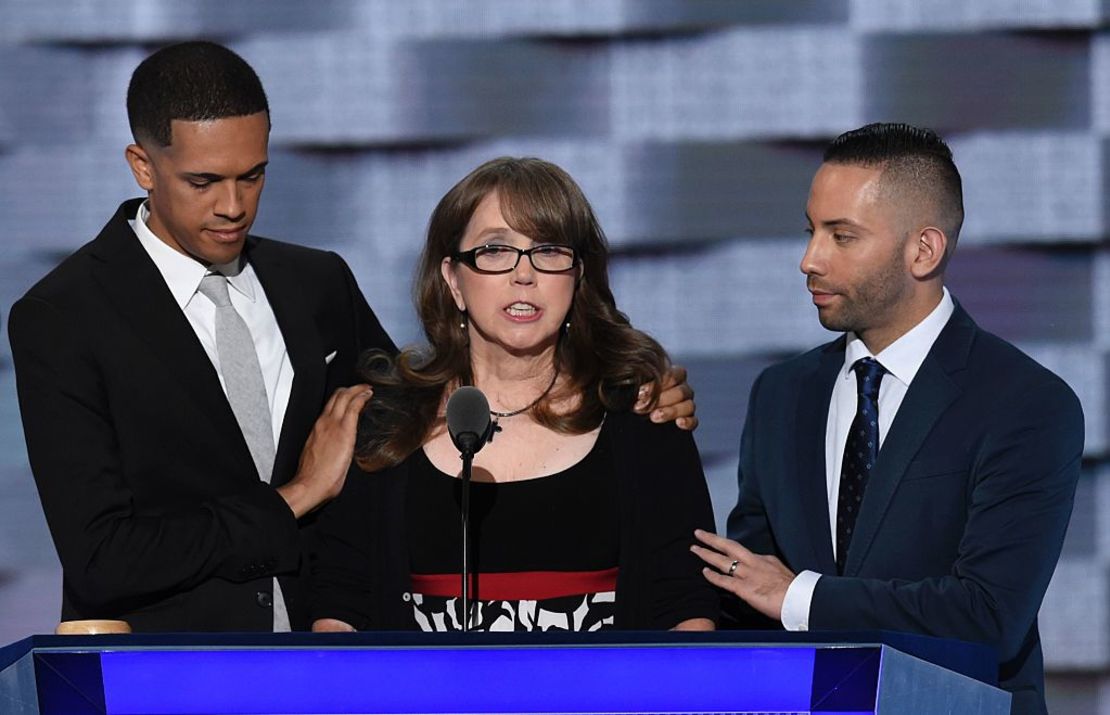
pixel 795 606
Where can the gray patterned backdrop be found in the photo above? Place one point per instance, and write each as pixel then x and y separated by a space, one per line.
pixel 694 126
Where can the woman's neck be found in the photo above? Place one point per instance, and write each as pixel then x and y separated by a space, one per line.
pixel 511 382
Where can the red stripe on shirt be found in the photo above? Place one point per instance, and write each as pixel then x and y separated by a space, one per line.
pixel 518 586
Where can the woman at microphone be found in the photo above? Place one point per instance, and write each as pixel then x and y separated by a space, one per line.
pixel 581 512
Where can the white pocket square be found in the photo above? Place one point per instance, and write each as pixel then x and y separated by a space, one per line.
pixel 330 357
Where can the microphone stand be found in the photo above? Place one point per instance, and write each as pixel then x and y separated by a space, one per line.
pixel 469 443
pixel 468 462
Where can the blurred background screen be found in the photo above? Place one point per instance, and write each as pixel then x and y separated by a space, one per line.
pixel 693 126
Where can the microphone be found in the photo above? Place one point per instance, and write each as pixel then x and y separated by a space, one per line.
pixel 470 427
pixel 468 420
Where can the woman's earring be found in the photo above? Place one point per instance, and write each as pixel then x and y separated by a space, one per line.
pixel 462 321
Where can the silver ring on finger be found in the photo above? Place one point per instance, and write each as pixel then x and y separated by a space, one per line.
pixel 732 567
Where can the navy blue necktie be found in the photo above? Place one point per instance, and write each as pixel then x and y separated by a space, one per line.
pixel 860 451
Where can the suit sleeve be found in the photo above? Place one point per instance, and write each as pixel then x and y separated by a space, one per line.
pixel 115 556
pixel 1023 482
pixel 367 329
pixel 747 522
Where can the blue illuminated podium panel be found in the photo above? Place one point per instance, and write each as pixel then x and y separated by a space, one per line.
pixel 189 674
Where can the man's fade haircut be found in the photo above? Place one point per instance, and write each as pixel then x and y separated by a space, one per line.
pixel 191 81
pixel 915 162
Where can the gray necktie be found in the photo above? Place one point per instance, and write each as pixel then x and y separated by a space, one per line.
pixel 246 392
pixel 242 375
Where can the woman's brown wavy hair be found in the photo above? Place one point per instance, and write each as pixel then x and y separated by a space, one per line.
pixel 600 356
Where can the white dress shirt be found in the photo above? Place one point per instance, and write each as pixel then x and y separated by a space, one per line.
pixel 901 359
pixel 182 275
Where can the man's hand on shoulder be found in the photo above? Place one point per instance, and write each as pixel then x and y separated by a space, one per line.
pixel 327 453
pixel 676 400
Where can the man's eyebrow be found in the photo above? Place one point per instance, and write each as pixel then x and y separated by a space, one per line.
pixel 832 223
pixel 201 175
pixel 255 170
pixel 835 222
pixel 208 176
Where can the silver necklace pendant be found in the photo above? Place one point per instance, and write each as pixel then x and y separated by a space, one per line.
pixel 527 407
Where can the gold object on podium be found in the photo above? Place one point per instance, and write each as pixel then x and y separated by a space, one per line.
pixel 91 628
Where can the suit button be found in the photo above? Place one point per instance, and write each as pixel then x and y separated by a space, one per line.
pixel 264 599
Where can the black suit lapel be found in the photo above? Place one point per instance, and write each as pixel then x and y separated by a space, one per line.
pixel 812 420
pixel 134 286
pixel 930 394
pixel 306 353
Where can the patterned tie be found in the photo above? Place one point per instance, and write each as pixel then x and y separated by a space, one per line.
pixel 246 392
pixel 860 451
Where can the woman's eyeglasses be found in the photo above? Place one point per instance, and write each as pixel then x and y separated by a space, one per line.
pixel 498 258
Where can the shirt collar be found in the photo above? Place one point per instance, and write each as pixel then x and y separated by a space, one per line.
pixel 182 273
pixel 902 358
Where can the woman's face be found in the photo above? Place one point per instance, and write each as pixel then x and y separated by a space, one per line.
pixel 520 312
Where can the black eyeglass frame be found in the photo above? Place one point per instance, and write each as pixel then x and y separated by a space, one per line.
pixel 470 258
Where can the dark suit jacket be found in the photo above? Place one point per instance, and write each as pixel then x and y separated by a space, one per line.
pixel 149 490
pixel 965 512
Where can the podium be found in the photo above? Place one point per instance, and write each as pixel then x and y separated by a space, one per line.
pixel 724 672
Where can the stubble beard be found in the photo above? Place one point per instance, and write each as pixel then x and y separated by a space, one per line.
pixel 870 303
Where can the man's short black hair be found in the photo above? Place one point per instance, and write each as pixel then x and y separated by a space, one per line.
pixel 191 81
pixel 916 164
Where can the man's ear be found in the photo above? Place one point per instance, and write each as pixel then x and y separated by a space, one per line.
pixel 928 252
pixel 141 167
pixel 447 270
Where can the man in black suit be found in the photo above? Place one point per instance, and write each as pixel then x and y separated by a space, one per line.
pixel 916 474
pixel 159 512
pixel 171 371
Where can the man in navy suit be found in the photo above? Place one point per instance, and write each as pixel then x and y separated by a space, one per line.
pixel 916 474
